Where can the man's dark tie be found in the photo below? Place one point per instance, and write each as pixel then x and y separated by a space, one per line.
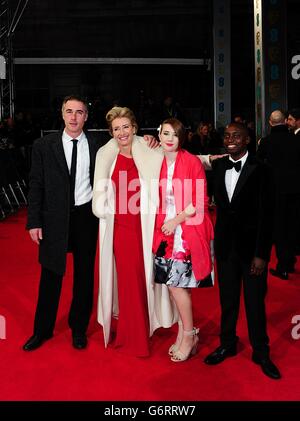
pixel 236 165
pixel 73 172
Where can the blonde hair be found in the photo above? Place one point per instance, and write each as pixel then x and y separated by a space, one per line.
pixel 200 127
pixel 120 112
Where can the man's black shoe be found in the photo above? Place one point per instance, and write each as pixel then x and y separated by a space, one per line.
pixel 267 366
pixel 35 342
pixel 220 354
pixel 279 274
pixel 79 340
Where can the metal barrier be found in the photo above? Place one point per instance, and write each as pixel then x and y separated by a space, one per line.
pixel 13 187
pixel 145 130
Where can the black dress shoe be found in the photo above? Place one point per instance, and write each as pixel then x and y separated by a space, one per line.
pixel 79 340
pixel 220 354
pixel 268 368
pixel 279 274
pixel 35 342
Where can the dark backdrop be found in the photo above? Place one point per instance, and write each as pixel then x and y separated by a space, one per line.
pixel 137 28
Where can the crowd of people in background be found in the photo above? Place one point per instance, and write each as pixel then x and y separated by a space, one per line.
pixel 21 130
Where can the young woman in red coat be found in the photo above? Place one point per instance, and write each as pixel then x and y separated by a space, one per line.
pixel 183 233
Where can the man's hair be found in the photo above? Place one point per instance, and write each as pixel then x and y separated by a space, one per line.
pixel 75 98
pixel 277 117
pixel 120 112
pixel 240 126
pixel 178 128
pixel 295 112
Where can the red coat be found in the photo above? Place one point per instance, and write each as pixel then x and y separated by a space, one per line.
pixel 189 186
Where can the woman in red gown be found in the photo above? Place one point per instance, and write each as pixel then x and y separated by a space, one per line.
pixel 124 171
pixel 133 323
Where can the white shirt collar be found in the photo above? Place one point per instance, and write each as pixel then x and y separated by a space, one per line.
pixel 66 137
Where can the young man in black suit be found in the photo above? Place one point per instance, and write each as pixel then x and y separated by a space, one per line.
pixel 60 220
pixel 242 247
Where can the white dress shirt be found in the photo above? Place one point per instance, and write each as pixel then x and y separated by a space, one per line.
pixel 83 188
pixel 232 176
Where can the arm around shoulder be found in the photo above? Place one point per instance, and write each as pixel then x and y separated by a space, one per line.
pixel 205 159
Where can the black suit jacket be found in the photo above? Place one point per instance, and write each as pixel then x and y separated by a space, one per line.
pixel 245 223
pixel 49 197
pixel 280 151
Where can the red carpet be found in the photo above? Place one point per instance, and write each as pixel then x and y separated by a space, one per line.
pixel 56 371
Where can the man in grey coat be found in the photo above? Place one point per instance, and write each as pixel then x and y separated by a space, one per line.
pixel 60 220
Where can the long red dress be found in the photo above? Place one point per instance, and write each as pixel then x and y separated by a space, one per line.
pixel 133 323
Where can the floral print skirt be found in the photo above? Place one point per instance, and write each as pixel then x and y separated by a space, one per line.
pixel 177 270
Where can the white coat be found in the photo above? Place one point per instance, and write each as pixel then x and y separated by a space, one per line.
pixel 148 162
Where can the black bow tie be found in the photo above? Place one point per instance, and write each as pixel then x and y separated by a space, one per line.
pixel 236 165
